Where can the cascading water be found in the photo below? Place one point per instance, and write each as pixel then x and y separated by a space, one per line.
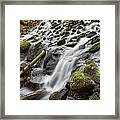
pixel 63 70
pixel 61 74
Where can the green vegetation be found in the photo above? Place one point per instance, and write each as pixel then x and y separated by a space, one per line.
pixel 79 81
pixel 24 45
pixel 95 47
pixel 91 69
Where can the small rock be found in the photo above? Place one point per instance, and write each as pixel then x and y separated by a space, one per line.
pixel 71 44
pixel 61 42
pixel 95 47
pixel 62 95
pixel 82 35
pixel 95 96
pixel 82 22
pixel 95 39
pixel 91 34
pixel 73 30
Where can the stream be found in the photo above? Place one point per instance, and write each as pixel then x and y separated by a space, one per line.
pixel 66 52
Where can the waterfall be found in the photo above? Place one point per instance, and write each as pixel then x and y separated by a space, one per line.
pixel 68 56
pixel 63 69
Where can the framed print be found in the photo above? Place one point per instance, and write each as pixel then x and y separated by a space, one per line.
pixel 60 59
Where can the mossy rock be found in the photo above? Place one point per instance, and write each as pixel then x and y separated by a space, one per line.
pixel 79 81
pixel 23 22
pixel 59 95
pixel 24 46
pixel 92 70
pixel 95 39
pixel 95 47
pixel 55 96
pixel 27 73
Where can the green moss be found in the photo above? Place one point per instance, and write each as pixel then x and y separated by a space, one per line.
pixel 79 81
pixel 95 47
pixel 95 39
pixel 23 22
pixel 92 70
pixel 24 45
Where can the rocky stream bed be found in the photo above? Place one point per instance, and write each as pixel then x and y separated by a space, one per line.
pixel 60 60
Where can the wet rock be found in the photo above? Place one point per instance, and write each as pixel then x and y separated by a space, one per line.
pixel 36 95
pixel 48 69
pixel 51 61
pixel 96 88
pixel 95 96
pixel 42 23
pixel 22 56
pixel 24 46
pixel 57 35
pixel 84 56
pixel 95 39
pixel 59 21
pixel 70 98
pixel 61 42
pixel 73 30
pixel 62 95
pixel 95 47
pixel 32 86
pixel 95 21
pixel 82 35
pixel 78 32
pixel 80 27
pixel 55 96
pixel 75 95
pixel 72 33
pixel 73 40
pixel 77 38
pixel 57 27
pixel 82 22
pixel 71 44
pixel 91 34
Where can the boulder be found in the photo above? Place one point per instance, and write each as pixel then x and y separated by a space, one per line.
pixel 24 46
pixel 71 44
pixel 59 95
pixel 79 81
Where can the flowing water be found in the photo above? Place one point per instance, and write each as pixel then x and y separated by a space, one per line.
pixel 61 74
